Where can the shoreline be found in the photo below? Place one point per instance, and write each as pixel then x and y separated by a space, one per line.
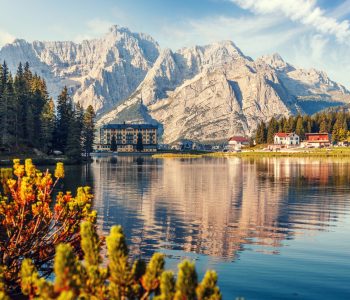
pixel 335 152
pixel 40 161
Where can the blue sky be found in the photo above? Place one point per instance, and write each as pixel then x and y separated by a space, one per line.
pixel 307 33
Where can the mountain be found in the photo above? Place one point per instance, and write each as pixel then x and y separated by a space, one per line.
pixel 202 93
pixel 101 72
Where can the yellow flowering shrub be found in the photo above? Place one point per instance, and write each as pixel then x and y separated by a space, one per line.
pixel 120 278
pixel 32 223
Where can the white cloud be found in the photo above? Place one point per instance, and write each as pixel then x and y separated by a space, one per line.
pixel 5 38
pixel 95 28
pixel 305 11
pixel 255 35
pixel 319 52
pixel 98 26
pixel 341 10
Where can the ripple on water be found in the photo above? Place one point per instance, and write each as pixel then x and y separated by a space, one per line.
pixel 272 228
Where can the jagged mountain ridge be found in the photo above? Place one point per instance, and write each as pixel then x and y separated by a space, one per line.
pixel 204 93
pixel 101 72
pixel 209 93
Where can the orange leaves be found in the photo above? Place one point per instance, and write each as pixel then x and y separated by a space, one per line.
pixel 30 225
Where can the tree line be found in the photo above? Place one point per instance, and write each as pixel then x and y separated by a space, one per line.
pixel 30 119
pixel 335 122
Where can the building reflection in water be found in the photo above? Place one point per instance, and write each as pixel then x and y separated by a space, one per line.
pixel 218 207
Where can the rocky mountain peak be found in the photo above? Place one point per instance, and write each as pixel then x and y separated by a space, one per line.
pixel 276 62
pixel 205 93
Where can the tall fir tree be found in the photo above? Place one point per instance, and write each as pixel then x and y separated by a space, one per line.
pixel 261 133
pixel 299 129
pixel 64 120
pixel 26 112
pixel 39 98
pixel 88 133
pixel 323 126
pixel 22 100
pixel 48 119
pixel 3 104
pixel 271 130
pixel 73 147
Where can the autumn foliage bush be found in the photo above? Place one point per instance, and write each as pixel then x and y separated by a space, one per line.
pixel 32 223
pixel 120 279
pixel 38 233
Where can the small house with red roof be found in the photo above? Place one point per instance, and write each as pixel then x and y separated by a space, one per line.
pixel 283 138
pixel 237 142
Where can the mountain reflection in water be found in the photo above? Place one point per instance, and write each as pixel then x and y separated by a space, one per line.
pixel 218 207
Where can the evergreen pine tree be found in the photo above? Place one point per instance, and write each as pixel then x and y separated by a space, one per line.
pixel 299 129
pixel 261 133
pixel 289 125
pixel 281 125
pixel 337 134
pixel 323 126
pixel 21 105
pixel 345 125
pixel 73 147
pixel 271 130
pixel 64 120
pixel 47 126
pixel 309 125
pixel 22 100
pixel 39 98
pixel 4 101
pixel 88 130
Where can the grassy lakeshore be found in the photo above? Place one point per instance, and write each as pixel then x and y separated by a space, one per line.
pixel 259 152
pixel 177 155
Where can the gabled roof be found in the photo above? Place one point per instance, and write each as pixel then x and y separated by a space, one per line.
pixel 240 139
pixel 284 134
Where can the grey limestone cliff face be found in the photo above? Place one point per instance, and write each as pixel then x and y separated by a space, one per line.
pixel 101 72
pixel 221 101
pixel 202 93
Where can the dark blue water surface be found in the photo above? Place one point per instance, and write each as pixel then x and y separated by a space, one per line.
pixel 274 228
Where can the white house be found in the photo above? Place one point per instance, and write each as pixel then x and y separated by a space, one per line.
pixel 282 138
pixel 237 142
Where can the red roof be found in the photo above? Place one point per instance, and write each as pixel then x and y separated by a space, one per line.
pixel 318 137
pixel 282 134
pixel 240 139
pixel 325 134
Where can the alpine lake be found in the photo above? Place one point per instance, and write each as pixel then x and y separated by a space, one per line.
pixel 272 228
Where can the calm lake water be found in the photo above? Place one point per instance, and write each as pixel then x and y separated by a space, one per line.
pixel 275 228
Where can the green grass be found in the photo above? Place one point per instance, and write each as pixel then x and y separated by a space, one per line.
pixel 177 155
pixel 334 152
pixel 258 152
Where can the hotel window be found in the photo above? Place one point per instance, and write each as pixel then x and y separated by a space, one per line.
pixel 129 138
pixel 152 139
pixel 119 138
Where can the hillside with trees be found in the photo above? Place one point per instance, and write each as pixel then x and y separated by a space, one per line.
pixel 31 122
pixel 335 122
